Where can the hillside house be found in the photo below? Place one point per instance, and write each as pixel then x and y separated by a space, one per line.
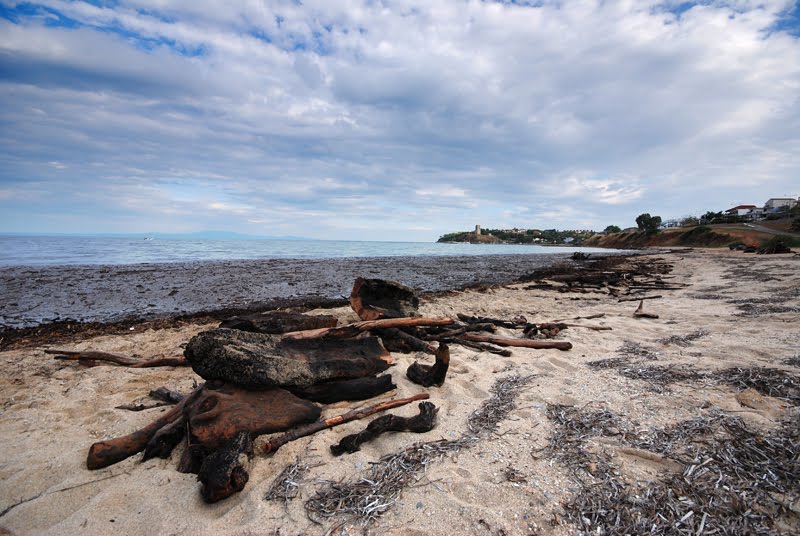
pixel 741 210
pixel 776 204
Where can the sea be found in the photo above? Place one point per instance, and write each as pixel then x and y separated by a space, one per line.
pixel 78 250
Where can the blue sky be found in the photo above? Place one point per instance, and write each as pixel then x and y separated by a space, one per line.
pixel 380 120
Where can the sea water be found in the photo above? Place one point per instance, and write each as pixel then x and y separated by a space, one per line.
pixel 78 250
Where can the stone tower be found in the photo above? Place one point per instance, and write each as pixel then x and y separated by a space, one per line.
pixel 477 230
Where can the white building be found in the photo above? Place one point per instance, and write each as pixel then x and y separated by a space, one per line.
pixel 776 203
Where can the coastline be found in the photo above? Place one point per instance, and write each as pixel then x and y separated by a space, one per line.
pixel 733 312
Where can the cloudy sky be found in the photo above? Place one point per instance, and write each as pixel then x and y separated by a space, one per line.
pixel 382 120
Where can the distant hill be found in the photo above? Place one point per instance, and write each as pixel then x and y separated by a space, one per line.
pixel 707 236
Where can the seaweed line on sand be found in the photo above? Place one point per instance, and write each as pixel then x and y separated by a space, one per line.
pixel 732 481
pixel 366 498
pixel 286 485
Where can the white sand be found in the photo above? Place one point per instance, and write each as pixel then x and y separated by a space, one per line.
pixel 53 410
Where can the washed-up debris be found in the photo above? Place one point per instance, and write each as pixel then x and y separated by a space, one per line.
pixel 286 485
pixel 732 480
pixel 367 497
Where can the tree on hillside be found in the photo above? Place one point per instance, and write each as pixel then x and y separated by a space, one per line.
pixel 710 216
pixel 611 229
pixel 647 223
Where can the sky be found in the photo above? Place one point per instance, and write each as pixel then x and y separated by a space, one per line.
pixel 392 120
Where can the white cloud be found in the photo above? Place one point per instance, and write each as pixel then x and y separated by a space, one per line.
pixel 423 115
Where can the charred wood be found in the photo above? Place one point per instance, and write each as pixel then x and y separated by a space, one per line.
pixel 224 471
pixel 421 423
pixel 277 442
pixel 337 391
pixel 257 360
pixel 372 299
pixel 428 375
pixel 275 322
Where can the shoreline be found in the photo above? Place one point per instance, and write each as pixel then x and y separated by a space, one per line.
pixel 107 294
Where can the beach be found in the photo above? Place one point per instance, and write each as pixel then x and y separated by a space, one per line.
pixel 625 414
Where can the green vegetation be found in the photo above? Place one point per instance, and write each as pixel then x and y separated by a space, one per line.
pixel 647 223
pixel 529 236
pixel 611 229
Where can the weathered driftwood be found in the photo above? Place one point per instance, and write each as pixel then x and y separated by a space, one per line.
pixel 222 410
pixel 351 330
pixel 491 328
pixel 427 375
pixel 224 471
pixel 548 329
pixel 257 360
pixel 594 328
pixel 640 298
pixel 93 358
pixel 372 299
pixel 275 322
pixel 639 312
pixel 483 347
pixel 515 323
pixel 522 343
pixel 105 453
pixel 397 340
pixel 275 443
pixel 421 423
pixel 213 414
pixel 337 391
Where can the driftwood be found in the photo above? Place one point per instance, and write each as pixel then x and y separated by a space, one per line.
pixel 516 323
pixel 257 361
pixel 639 312
pixel 105 453
pixel 421 423
pixel 275 322
pixel 337 391
pixel 93 358
pixel 275 443
pixel 351 330
pixel 483 347
pixel 224 471
pixel 522 343
pixel 640 298
pixel 428 375
pixel 373 299
pixel 397 340
pixel 222 410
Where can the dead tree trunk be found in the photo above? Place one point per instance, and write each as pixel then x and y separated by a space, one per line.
pixel 427 375
pixel 522 343
pixel 421 423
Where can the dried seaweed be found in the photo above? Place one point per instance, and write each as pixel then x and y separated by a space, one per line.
pixel 754 309
pixel 286 485
pixel 767 381
pixel 660 377
pixel 793 361
pixel 733 482
pixel 685 340
pixel 611 362
pixel 634 349
pixel 366 498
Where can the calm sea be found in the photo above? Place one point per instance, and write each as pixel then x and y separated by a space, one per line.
pixel 68 250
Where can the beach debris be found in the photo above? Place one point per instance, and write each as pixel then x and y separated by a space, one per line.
pixel 276 322
pixel 92 358
pixel 271 445
pixel 108 452
pixel 258 360
pixel 684 340
pixel 521 343
pixel 640 298
pixel 774 246
pixel 397 340
pixel 420 423
pixel 166 397
pixel 639 312
pixel 367 497
pixel 428 375
pixel 337 391
pixel 373 299
pixel 718 477
pixel 286 485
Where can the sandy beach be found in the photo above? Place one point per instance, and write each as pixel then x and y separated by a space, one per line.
pixel 629 415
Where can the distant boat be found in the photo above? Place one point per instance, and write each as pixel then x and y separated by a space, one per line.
pixel 148 237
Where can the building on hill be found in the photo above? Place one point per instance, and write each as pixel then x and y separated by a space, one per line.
pixel 775 204
pixel 740 210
